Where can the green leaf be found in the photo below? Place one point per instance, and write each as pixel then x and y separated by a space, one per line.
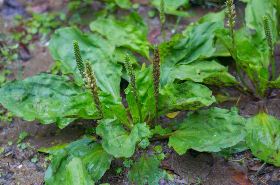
pixel 253 56
pixel 207 72
pixel 254 13
pixel 93 48
pixel 239 147
pixel 263 137
pixel 128 32
pixel 113 107
pixel 146 171
pixel 126 4
pixel 119 142
pixel 196 43
pixel 82 162
pixel 275 83
pixel 209 131
pixel 172 6
pixel 52 149
pixel 158 130
pixel 184 96
pixel 49 99
pixel 145 90
pixel 75 173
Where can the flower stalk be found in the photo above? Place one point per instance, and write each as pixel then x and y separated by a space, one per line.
pixel 131 75
pixel 156 78
pixel 79 60
pixel 268 35
pixel 162 18
pixel 90 83
pixel 231 16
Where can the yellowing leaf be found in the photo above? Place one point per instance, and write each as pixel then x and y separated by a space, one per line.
pixel 172 114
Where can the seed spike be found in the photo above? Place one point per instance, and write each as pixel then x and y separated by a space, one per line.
pixel 156 78
pixel 268 35
pixel 231 16
pixel 90 83
pixel 79 60
pixel 132 79
pixel 267 30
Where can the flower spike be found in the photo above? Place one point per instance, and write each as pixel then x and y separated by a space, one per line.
pixel 79 60
pixel 132 79
pixel 156 78
pixel 90 83
pixel 268 35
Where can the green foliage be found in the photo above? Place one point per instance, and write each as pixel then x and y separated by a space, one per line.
pixel 145 91
pixel 126 4
pixel 249 49
pixel 22 136
pixel 131 75
pixel 146 171
pixel 196 43
pixel 39 24
pixel 123 144
pixel 207 72
pixel 81 162
pixel 48 99
pixel 209 131
pixel 172 6
pixel 95 49
pixel 254 13
pixel 90 87
pixel 184 96
pixel 263 137
pixel 128 32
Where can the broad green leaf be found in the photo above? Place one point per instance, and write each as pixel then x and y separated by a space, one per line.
pixel 146 171
pixel 113 108
pixel 80 163
pixel 263 137
pixel 75 173
pixel 117 141
pixel 184 96
pixel 172 6
pixel 48 99
pixel 129 32
pixel 93 48
pixel 126 4
pixel 209 131
pixel 207 72
pixel 196 43
pixel 145 90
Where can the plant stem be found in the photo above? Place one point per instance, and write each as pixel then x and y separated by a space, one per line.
pixel 231 16
pixel 162 19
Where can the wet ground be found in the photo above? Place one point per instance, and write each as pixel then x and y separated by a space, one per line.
pixel 21 163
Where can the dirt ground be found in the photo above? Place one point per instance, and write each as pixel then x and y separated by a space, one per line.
pixel 21 163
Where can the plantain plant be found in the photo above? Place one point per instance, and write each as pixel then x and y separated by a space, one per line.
pixel 127 119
